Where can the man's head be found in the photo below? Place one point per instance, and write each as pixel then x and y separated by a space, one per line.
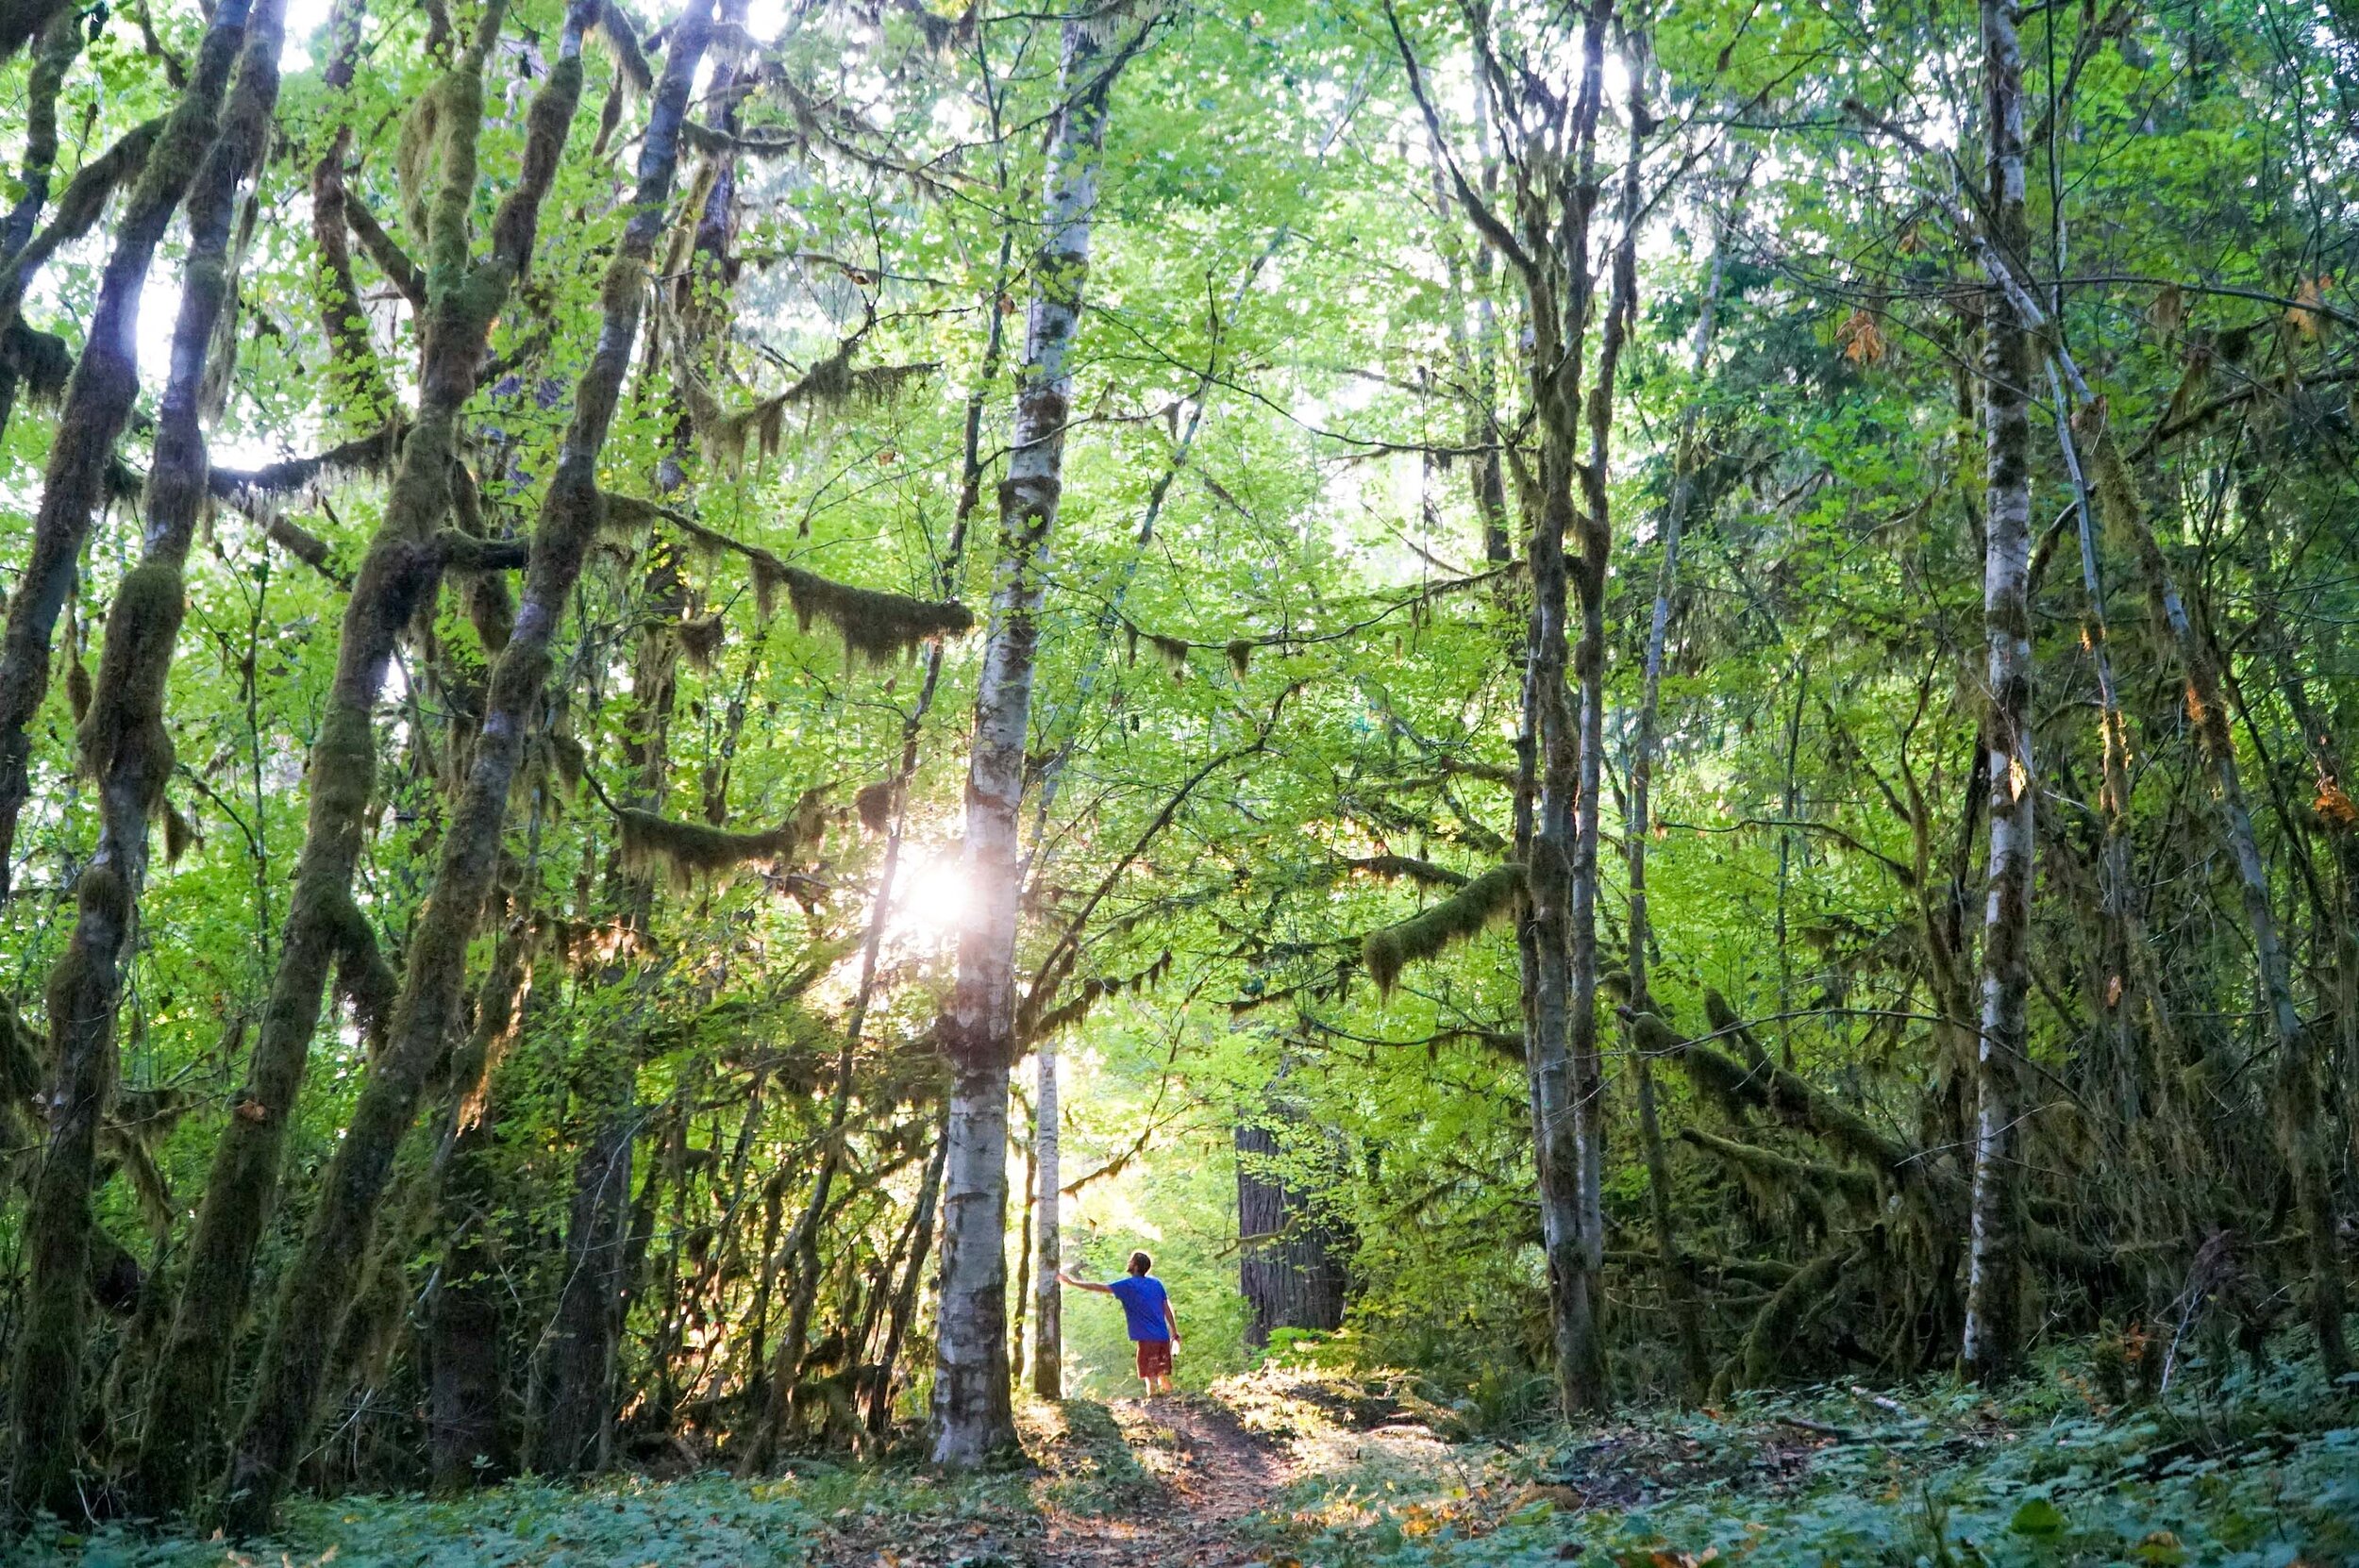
pixel 1142 1263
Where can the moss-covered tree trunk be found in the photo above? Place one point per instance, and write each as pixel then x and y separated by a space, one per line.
pixel 1992 1334
pixel 319 1284
pixel 22 20
pixel 324 927
pixel 1593 522
pixel 98 400
pixel 973 1415
pixel 125 743
pixel 59 46
pixel 574 1374
pixel 1552 259
pixel 468 1441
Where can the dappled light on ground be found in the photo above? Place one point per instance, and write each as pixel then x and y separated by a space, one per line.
pixel 1317 1470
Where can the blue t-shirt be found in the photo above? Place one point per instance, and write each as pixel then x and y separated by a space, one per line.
pixel 1142 1296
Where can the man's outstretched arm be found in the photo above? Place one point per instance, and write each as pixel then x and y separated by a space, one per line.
pixel 1171 1320
pixel 1064 1279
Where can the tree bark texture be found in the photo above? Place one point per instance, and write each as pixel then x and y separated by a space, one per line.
pixel 324 927
pixel 127 746
pixel 1048 1232
pixel 319 1283
pixel 98 399
pixel 973 1414
pixel 1993 1332
pixel 1289 1266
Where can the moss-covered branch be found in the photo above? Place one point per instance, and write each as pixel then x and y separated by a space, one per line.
pixel 1491 897
pixel 686 852
pixel 1784 1172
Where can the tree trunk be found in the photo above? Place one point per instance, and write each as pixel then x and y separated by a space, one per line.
pixel 1546 239
pixel 98 400
pixel 1594 523
pixel 1047 1234
pixel 324 927
pixel 973 1415
pixel 1287 1267
pixel 1992 1335
pixel 466 1438
pixel 319 1284
pixel 125 743
pixel 54 54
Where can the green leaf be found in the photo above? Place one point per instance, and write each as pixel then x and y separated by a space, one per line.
pixel 2039 1519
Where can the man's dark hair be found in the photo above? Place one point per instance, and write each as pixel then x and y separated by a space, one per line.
pixel 1142 1263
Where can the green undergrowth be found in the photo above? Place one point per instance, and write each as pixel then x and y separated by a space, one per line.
pixel 2240 1470
pixel 2234 1468
pixel 1088 1463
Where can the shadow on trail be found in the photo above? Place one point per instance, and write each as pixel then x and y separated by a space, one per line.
pixel 1183 1473
pixel 1164 1482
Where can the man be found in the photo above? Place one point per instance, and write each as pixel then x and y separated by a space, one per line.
pixel 1154 1328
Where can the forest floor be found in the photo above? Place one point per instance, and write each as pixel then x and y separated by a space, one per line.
pixel 2250 1468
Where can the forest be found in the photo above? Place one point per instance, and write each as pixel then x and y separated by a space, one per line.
pixel 1629 717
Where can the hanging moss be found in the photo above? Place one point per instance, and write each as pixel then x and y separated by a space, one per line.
pixel 23 1052
pixel 442 115
pixel 831 383
pixel 875 804
pixel 568 760
pixel 877 627
pixel 181 832
pixel 687 851
pixel 77 690
pixel 1719 1078
pixel 700 638
pixel 1490 897
pixel 1488 772
pixel 1092 990
pixel 1173 651
pixel 40 361
pixel 613 30
pixel 1240 652
pixel 1775 1174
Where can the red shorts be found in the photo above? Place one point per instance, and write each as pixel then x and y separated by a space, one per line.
pixel 1154 1357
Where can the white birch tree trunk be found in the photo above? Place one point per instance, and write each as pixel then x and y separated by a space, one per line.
pixel 973 1415
pixel 1992 1331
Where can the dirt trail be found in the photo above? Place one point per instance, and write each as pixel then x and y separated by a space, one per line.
pixel 1137 1483
pixel 1209 1474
